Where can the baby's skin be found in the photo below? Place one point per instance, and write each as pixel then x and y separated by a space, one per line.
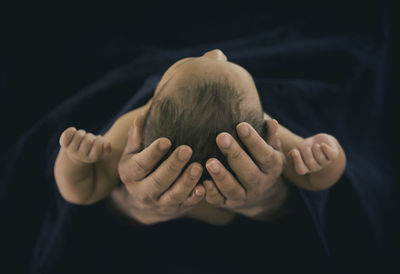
pixel 90 168
pixel 314 163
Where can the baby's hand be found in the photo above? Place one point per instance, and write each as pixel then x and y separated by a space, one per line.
pixel 84 147
pixel 314 153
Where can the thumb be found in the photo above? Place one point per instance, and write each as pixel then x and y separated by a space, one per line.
pixel 134 141
pixel 273 135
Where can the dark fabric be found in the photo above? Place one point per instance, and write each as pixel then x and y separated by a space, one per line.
pixel 326 83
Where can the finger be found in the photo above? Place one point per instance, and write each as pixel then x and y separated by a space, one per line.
pixel 319 155
pixel 240 162
pixel 299 165
pixel 133 143
pixel 66 136
pixel 329 152
pixel 197 195
pixel 86 144
pixel 163 177
pixel 308 159
pixel 263 154
pixel 97 148
pixel 139 165
pixel 182 188
pixel 213 196
pixel 107 147
pixel 76 141
pixel 229 187
pixel 273 136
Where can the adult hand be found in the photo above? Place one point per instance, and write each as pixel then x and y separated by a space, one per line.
pixel 162 194
pixel 259 179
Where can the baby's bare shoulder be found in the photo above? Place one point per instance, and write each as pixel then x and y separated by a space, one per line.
pixel 118 132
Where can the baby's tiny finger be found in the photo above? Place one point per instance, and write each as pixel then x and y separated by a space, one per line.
pixel 97 149
pixel 77 139
pixel 86 145
pixel 66 136
pixel 330 152
pixel 319 155
pixel 300 167
pixel 309 160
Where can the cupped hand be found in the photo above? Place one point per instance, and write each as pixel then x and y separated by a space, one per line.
pixel 257 173
pixel 165 193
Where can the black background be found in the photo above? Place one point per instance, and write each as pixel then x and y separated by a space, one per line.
pixel 51 51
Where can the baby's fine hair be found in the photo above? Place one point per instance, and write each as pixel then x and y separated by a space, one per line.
pixel 195 115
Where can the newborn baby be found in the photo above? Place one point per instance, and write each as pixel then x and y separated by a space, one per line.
pixel 196 111
pixel 196 99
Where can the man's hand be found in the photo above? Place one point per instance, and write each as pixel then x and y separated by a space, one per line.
pixel 161 195
pixel 257 173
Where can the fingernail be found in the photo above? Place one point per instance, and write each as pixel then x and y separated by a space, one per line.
pixel 183 154
pixel 243 130
pixel 198 192
pixel 195 171
pixel 225 141
pixel 163 145
pixel 214 167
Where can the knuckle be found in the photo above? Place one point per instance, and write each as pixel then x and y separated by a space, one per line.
pixel 172 167
pixel 86 143
pixel 232 192
pixel 188 183
pixel 221 177
pixel 173 199
pixel 236 154
pixel 156 182
pixel 252 177
pixel 145 200
pixel 137 167
pixel 265 159
pixel 213 195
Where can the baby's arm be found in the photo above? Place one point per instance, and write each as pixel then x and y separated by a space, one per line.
pixel 74 169
pixel 314 163
pixel 86 183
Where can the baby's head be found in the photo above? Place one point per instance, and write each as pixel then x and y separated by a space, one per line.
pixel 198 98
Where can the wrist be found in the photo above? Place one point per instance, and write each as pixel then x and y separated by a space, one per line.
pixel 119 206
pixel 275 205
